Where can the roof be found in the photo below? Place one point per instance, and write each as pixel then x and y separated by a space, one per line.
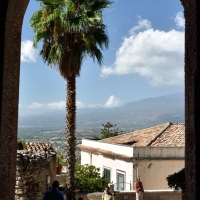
pixel 164 135
pixel 174 136
pixel 34 150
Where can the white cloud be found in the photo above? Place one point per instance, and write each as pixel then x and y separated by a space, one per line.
pixel 35 105
pixel 28 53
pixel 179 20
pixel 143 24
pixel 49 106
pixel 113 102
pixel 38 108
pixel 80 105
pixel 155 55
pixel 110 103
pixel 57 105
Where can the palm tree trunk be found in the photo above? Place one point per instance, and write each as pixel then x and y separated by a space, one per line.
pixel 70 136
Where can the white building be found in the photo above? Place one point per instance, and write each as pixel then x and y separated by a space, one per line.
pixel 152 153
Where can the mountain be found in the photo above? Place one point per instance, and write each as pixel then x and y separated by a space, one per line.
pixel 134 115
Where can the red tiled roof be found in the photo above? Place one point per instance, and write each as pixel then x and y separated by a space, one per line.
pixel 39 147
pixel 173 136
pixel 37 150
pixel 169 134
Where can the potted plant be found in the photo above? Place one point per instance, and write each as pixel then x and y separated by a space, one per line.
pixel 60 161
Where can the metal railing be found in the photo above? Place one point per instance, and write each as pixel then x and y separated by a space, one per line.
pixel 122 186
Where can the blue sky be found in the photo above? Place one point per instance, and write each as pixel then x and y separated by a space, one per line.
pixel 145 59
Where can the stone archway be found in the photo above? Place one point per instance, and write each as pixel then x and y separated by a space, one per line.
pixel 12 13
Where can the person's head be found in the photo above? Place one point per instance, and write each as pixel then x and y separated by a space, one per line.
pixel 55 184
pixel 107 189
pixel 80 198
pixel 138 179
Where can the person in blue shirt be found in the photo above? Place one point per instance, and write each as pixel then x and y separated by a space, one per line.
pixel 54 193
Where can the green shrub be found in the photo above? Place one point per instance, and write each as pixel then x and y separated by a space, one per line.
pixel 60 161
pixel 177 181
pixel 88 179
pixel 21 145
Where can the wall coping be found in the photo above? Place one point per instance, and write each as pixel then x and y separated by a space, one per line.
pixel 151 191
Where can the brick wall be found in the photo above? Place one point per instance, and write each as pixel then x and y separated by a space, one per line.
pixel 192 97
pixel 10 67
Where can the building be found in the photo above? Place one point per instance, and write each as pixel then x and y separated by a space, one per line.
pixel 152 153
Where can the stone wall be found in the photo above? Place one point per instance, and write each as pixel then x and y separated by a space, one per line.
pixel 32 170
pixel 30 179
pixel 149 195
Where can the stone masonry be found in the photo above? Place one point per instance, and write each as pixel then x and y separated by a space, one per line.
pixel 33 165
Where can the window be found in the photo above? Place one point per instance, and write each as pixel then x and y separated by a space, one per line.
pixel 120 181
pixel 106 174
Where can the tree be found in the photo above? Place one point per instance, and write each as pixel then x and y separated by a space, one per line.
pixel 70 30
pixel 108 131
pixel 177 181
pixel 88 179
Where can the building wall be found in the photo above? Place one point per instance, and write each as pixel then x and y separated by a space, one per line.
pixel 113 164
pixel 154 163
pixel 121 149
pixel 52 170
pixel 153 173
pixel 159 152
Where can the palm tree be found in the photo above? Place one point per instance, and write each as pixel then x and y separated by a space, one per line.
pixel 70 30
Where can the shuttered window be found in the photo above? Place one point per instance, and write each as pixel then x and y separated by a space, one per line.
pixel 106 174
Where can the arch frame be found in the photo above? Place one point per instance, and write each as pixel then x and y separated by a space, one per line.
pixel 12 14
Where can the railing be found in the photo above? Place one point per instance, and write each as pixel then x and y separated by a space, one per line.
pixel 122 186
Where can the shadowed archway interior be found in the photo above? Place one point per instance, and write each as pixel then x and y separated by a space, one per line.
pixel 12 13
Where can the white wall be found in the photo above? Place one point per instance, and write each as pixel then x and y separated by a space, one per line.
pixel 120 149
pixel 115 165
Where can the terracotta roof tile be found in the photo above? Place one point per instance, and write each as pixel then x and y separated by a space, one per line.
pixel 37 150
pixel 138 138
pixel 169 134
pixel 174 135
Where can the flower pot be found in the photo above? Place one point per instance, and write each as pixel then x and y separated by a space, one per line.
pixel 58 169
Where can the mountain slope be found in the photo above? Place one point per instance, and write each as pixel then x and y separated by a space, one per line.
pixel 134 115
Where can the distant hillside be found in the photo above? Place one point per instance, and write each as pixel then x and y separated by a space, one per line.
pixel 134 115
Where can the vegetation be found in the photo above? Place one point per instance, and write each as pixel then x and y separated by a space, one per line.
pixel 60 161
pixel 108 131
pixel 70 30
pixel 88 179
pixel 21 144
pixel 177 181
